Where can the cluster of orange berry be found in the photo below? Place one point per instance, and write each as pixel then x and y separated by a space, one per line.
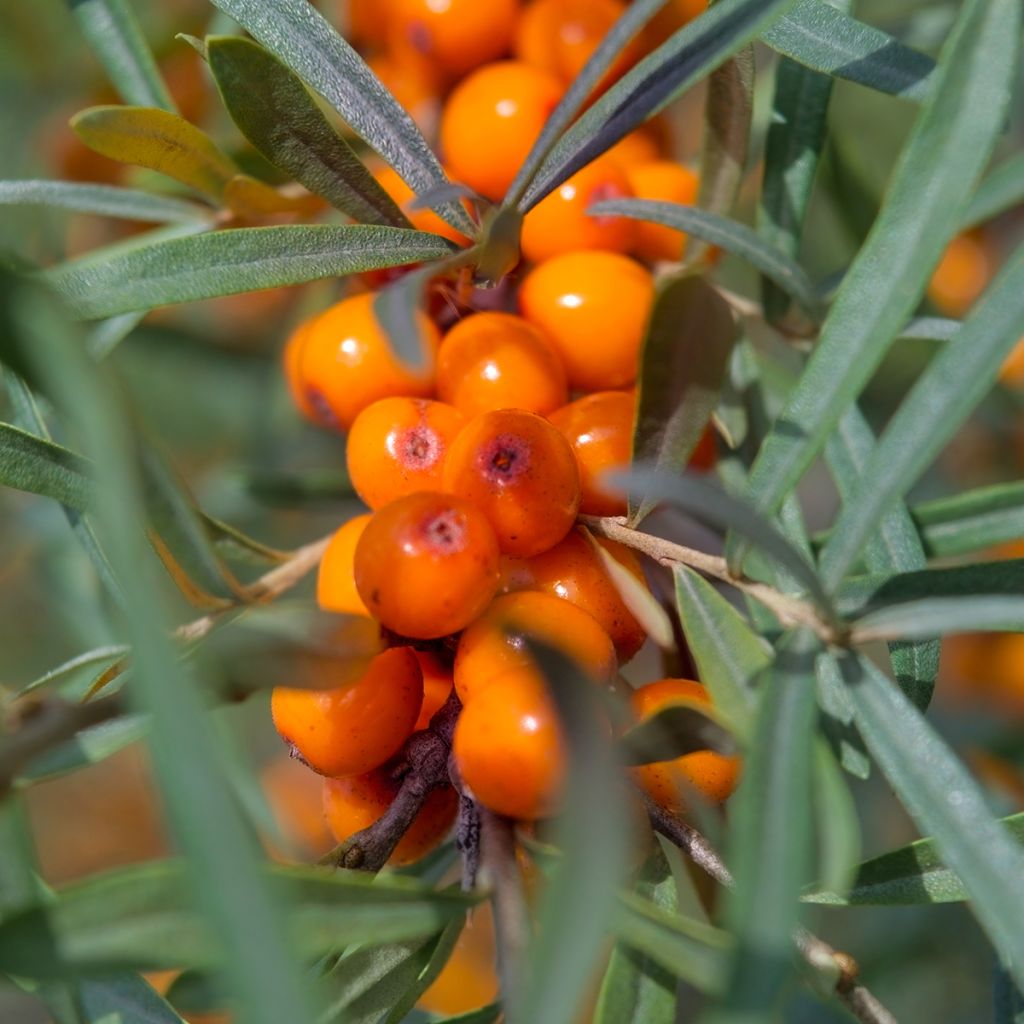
pixel 476 468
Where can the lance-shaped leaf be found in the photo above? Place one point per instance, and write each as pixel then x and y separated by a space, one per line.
pixel 937 616
pixel 299 36
pixel 88 746
pixel 103 200
pixel 31 463
pixel 159 140
pixel 1000 191
pixel 947 150
pixel 972 520
pixel 821 37
pixel 279 117
pixel 685 353
pixel 929 328
pixel 228 262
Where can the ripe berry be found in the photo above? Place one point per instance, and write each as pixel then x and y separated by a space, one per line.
pixel 292 359
pixel 573 570
pixel 560 223
pixel 665 181
pixel 505 104
pixel 638 147
pixel 499 361
pixel 456 35
pixel 347 362
pixel 427 564
pixel 398 445
pixel 495 643
pixel 594 308
pixel 669 783
pixel 437 686
pixel 355 803
pixel 509 749
pixel 521 473
pixel 423 219
pixel 962 275
pixel 335 581
pixel 356 727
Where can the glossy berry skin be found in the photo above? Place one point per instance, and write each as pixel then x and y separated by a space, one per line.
pixel 962 275
pixel 508 747
pixel 640 146
pixel 355 803
pixel 494 643
pixel 437 686
pixel 668 783
pixel 414 83
pixel 423 220
pixel 292 359
pixel 506 104
pixel 560 223
pixel 398 445
pixel 573 570
pixel 352 729
pixel 347 362
pixel 599 428
pixel 335 581
pixel 521 473
pixel 455 35
pixel 427 564
pixel 594 308
pixel 499 361
pixel 664 181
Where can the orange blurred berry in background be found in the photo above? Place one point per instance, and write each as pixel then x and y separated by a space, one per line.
pixel 427 564
pixel 663 181
pixel 594 307
pixel 671 783
pixel 346 363
pixel 398 445
pixel 674 15
pixel 494 361
pixel 1011 373
pixel 292 359
pixel 414 83
pixel 423 220
pixel 355 803
pixel 335 581
pixel 963 273
pixel 357 727
pixel 521 473
pixel 638 147
pixel 437 686
pixel 491 121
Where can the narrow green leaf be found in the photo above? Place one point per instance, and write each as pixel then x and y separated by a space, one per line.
pixel 30 463
pixel 278 116
pixel 233 261
pixel 941 399
pixel 972 520
pixel 938 616
pixel 1007 998
pixel 930 328
pixel 104 200
pixel 836 823
pixel 1002 190
pixel 299 36
pixel 106 335
pixel 821 37
pixel 684 59
pixel 128 999
pixel 679 728
pixel 730 235
pixel 154 138
pixel 836 718
pixel 99 656
pixel 89 746
pixel 946 803
pixel 683 363
pixel 116 38
pixel 947 150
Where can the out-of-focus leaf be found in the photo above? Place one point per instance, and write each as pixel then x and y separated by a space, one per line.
pixel 685 354
pixel 679 728
pixel 106 335
pixel 278 116
pixel 730 235
pixel 942 398
pixel 229 540
pixel 945 802
pixel 912 874
pixel 1002 190
pixel 116 38
pixel 89 746
pixel 299 36
pixel 30 463
pixel 930 328
pixel 485 1015
pixel 821 37
pixel 685 58
pixel 947 150
pixel 104 200
pixel 98 656
pixel 837 825
pixel 937 616
pixel 975 519
pixel 228 262
pixel 127 999
pixel 196 992
pixel 251 198
pixel 1007 998
pixel 157 139
pixel 836 718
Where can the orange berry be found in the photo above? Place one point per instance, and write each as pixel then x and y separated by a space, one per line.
pixel 355 803
pixel 508 747
pixel 668 783
pixel 398 445
pixel 536 39
pixel 705 454
pixel 594 307
pixel 491 121
pixel 456 35
pixel 292 359
pixel 962 275
pixel 674 15
pixel 349 730
pixel 499 361
pixel 424 220
pixel 560 223
pixel 427 564
pixel 573 570
pixel 437 686
pixel 347 362
pixel 521 473
pixel 638 147
pixel 494 644
pixel 366 21
pixel 414 83
pixel 335 581
pixel 663 181
pixel 599 427
pixel 1011 373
